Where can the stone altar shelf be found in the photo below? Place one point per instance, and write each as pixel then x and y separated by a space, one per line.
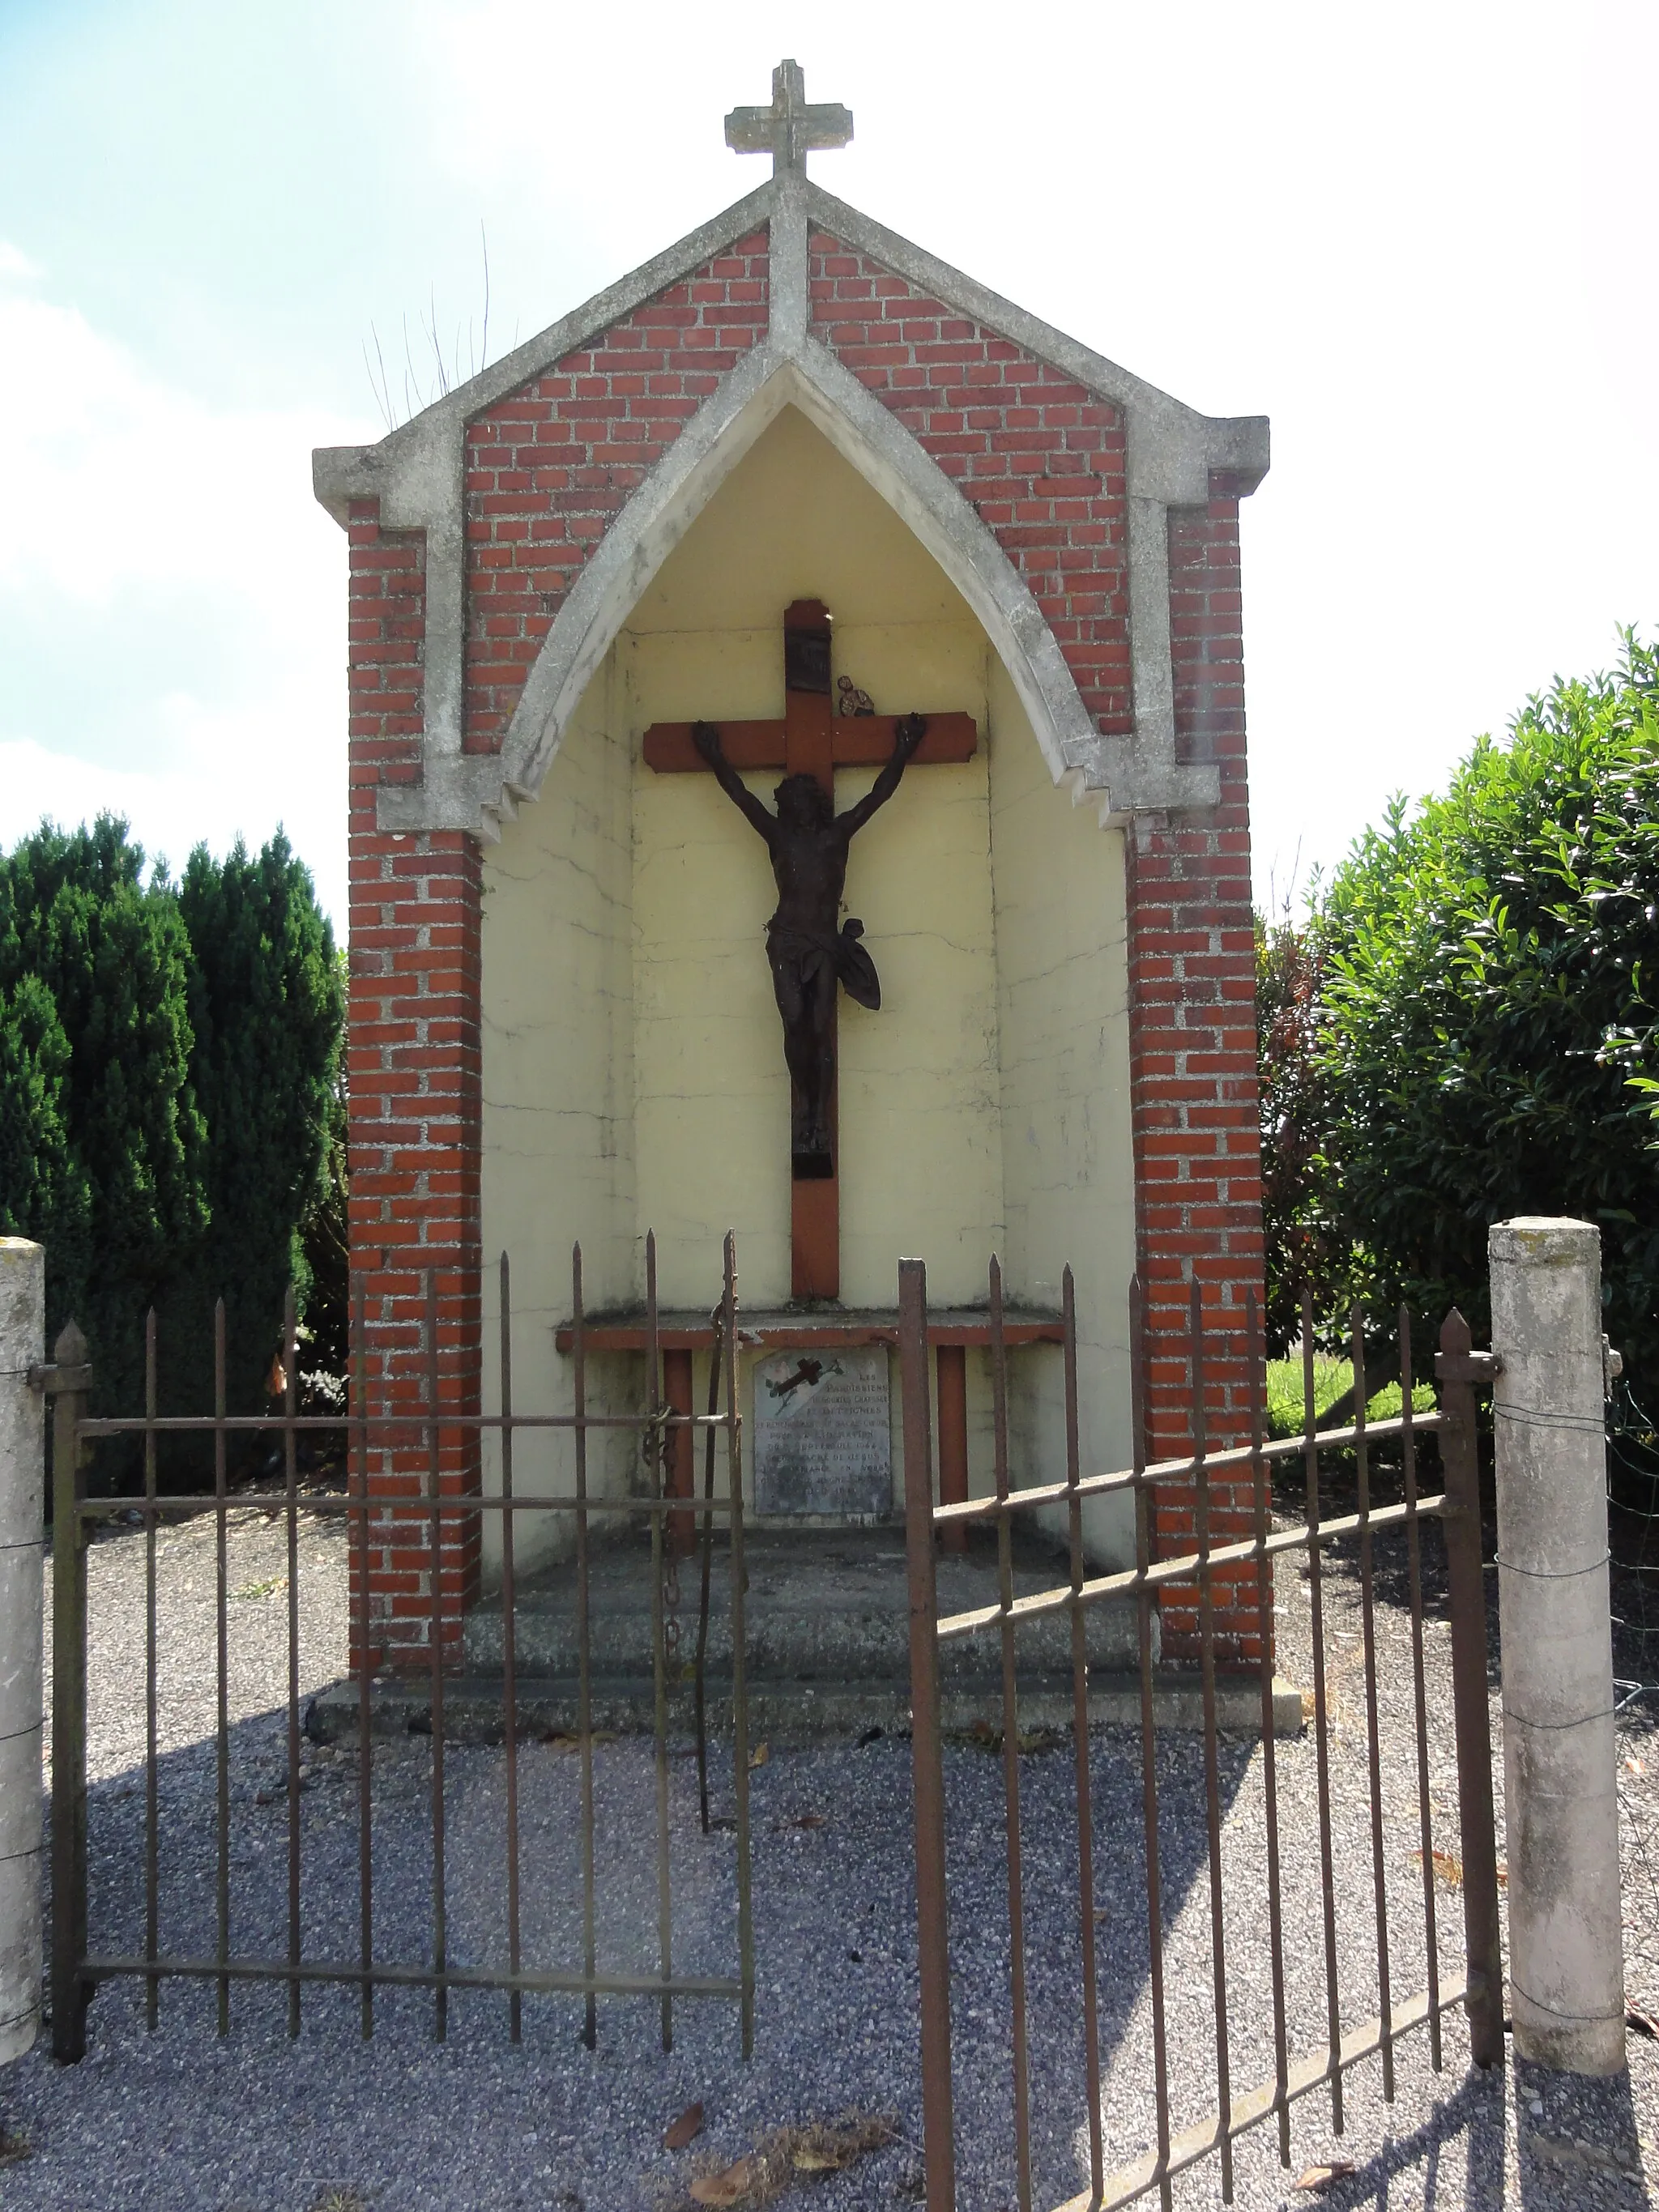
pixel 951 1333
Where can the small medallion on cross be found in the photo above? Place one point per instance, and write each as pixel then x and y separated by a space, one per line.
pixel 788 127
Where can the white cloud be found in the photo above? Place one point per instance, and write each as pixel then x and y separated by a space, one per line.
pixel 1428 277
pixel 128 504
pixel 170 811
pixel 111 478
pixel 229 773
pixel 1423 274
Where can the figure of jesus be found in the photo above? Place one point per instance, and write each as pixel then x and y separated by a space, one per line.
pixel 807 842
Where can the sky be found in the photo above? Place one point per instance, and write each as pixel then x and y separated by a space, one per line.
pixel 1419 238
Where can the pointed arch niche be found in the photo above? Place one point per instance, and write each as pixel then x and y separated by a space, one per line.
pixel 633 1068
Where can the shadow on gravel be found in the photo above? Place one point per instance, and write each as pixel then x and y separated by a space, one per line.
pixel 1581 2150
pixel 1474 2182
pixel 401 1894
pixel 1582 2145
pixel 981 2017
pixel 835 1921
pixel 838 2000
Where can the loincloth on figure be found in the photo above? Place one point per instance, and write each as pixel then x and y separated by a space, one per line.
pixel 803 955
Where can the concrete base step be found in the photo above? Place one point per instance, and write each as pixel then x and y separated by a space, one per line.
pixel 784 1711
pixel 821 1606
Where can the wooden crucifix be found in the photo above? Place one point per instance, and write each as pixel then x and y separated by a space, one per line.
pixel 809 954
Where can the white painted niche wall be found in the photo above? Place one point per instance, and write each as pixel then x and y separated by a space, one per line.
pixel 633 1069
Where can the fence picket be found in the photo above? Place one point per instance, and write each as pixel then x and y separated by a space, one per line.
pixel 1294 2075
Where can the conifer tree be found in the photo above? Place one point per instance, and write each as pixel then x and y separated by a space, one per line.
pixel 169 1059
pixel 266 1000
pixel 94 976
pixel 47 1195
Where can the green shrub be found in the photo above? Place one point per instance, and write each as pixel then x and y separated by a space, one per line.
pixel 1486 1028
pixel 1285 1400
pixel 1304 1250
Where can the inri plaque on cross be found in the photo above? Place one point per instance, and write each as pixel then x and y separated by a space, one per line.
pixel 810 950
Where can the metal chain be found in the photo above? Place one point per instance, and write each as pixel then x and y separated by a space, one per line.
pixel 656 1449
pixel 670 1600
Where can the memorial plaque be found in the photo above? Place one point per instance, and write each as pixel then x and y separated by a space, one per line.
pixel 823 1444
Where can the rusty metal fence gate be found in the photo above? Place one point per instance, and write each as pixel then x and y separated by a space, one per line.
pixel 1478 1987
pixel 380 1509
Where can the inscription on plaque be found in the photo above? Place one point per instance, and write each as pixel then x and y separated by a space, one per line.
pixel 823 1444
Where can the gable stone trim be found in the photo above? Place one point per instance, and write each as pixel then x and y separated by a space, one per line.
pixel 476 792
pixel 1169 450
pixel 1172 447
pixel 417 474
pixel 613 579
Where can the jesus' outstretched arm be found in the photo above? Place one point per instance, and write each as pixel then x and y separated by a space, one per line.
pixel 907 736
pixel 706 739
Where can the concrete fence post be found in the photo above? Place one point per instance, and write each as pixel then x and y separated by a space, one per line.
pixel 22 1537
pixel 1566 1965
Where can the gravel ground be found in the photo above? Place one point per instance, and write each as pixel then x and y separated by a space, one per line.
pixel 256 2123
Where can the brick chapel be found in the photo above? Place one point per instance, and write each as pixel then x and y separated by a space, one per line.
pixel 797 479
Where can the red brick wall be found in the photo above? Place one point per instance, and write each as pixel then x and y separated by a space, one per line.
pixel 1043 461
pixel 1192 1025
pixel 548 469
pixel 414 1052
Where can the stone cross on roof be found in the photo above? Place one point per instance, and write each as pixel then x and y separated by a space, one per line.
pixel 788 127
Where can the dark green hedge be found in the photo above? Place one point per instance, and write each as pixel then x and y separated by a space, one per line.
pixel 168 1063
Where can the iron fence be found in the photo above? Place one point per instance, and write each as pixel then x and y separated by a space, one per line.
pixel 377 1507
pixel 1478 1987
